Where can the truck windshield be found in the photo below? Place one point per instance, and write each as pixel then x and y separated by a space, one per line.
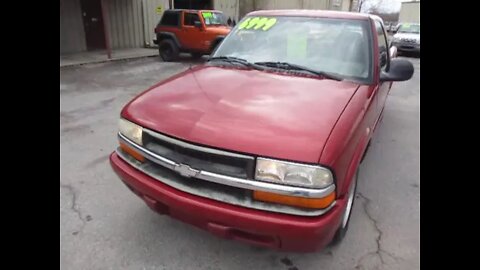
pixel 213 18
pixel 409 28
pixel 334 46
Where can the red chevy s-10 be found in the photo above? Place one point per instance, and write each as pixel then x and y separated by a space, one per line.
pixel 262 142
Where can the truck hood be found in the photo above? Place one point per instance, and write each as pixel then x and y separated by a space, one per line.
pixel 248 111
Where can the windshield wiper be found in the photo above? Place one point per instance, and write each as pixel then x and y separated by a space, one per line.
pixel 289 66
pixel 231 59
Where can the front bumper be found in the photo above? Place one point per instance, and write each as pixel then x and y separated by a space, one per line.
pixel 257 227
pixel 407 47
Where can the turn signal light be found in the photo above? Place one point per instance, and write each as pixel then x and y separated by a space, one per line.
pixel 129 150
pixel 313 203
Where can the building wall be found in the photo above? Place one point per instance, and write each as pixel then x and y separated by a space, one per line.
pixel 410 12
pixel 230 8
pixel 316 4
pixel 345 5
pixel 342 5
pixel 131 23
pixel 151 18
pixel 247 6
pixel 244 7
pixel 125 23
pixel 72 34
pixel 292 4
pixel 354 5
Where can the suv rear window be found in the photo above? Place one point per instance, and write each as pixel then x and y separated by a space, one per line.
pixel 170 18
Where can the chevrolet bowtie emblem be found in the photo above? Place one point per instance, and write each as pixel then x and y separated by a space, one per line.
pixel 186 170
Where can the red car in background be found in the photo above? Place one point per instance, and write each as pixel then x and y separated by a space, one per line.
pixel 262 143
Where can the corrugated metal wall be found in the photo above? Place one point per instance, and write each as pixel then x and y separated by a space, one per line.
pixel 345 5
pixel 132 22
pixel 228 7
pixel 125 23
pixel 354 5
pixel 315 4
pixel 72 34
pixel 151 18
pixel 247 6
pixel 336 4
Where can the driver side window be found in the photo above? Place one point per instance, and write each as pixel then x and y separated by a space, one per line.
pixel 190 18
pixel 382 46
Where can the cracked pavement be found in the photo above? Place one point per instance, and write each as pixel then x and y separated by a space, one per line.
pixel 104 226
pixel 378 251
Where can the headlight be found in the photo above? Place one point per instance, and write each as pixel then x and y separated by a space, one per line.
pixel 293 174
pixel 130 130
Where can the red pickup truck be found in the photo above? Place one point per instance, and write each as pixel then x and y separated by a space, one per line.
pixel 262 143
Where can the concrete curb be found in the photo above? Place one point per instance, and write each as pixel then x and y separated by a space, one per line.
pixel 128 58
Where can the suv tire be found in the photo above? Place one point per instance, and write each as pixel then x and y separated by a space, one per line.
pixel 168 50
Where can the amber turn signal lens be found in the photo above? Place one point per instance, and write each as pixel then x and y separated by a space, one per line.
pixel 129 150
pixel 314 203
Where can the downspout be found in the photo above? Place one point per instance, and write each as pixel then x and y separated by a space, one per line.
pixel 237 11
pixel 106 29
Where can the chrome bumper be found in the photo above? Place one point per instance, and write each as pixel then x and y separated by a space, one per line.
pixel 186 171
pixel 177 173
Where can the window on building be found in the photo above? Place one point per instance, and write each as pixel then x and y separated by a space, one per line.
pixel 190 19
pixel 170 18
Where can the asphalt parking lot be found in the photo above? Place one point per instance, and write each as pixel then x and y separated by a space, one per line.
pixel 105 226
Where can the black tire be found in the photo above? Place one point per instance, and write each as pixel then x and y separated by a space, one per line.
pixel 168 50
pixel 196 55
pixel 342 230
pixel 214 46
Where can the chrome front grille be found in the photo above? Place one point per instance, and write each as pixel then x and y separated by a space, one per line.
pixel 199 157
pixel 183 165
pixel 211 190
pixel 408 40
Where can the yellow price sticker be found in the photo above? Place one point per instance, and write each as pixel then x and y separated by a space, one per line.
pixel 257 23
pixel 159 9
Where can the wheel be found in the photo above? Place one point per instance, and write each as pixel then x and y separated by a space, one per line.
pixel 214 46
pixel 196 55
pixel 168 50
pixel 342 230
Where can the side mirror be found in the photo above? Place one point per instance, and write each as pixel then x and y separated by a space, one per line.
pixel 393 52
pixel 400 70
pixel 197 24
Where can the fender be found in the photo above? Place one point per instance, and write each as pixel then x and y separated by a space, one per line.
pixel 354 162
pixel 165 35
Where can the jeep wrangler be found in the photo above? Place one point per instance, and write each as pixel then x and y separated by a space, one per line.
pixel 197 32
